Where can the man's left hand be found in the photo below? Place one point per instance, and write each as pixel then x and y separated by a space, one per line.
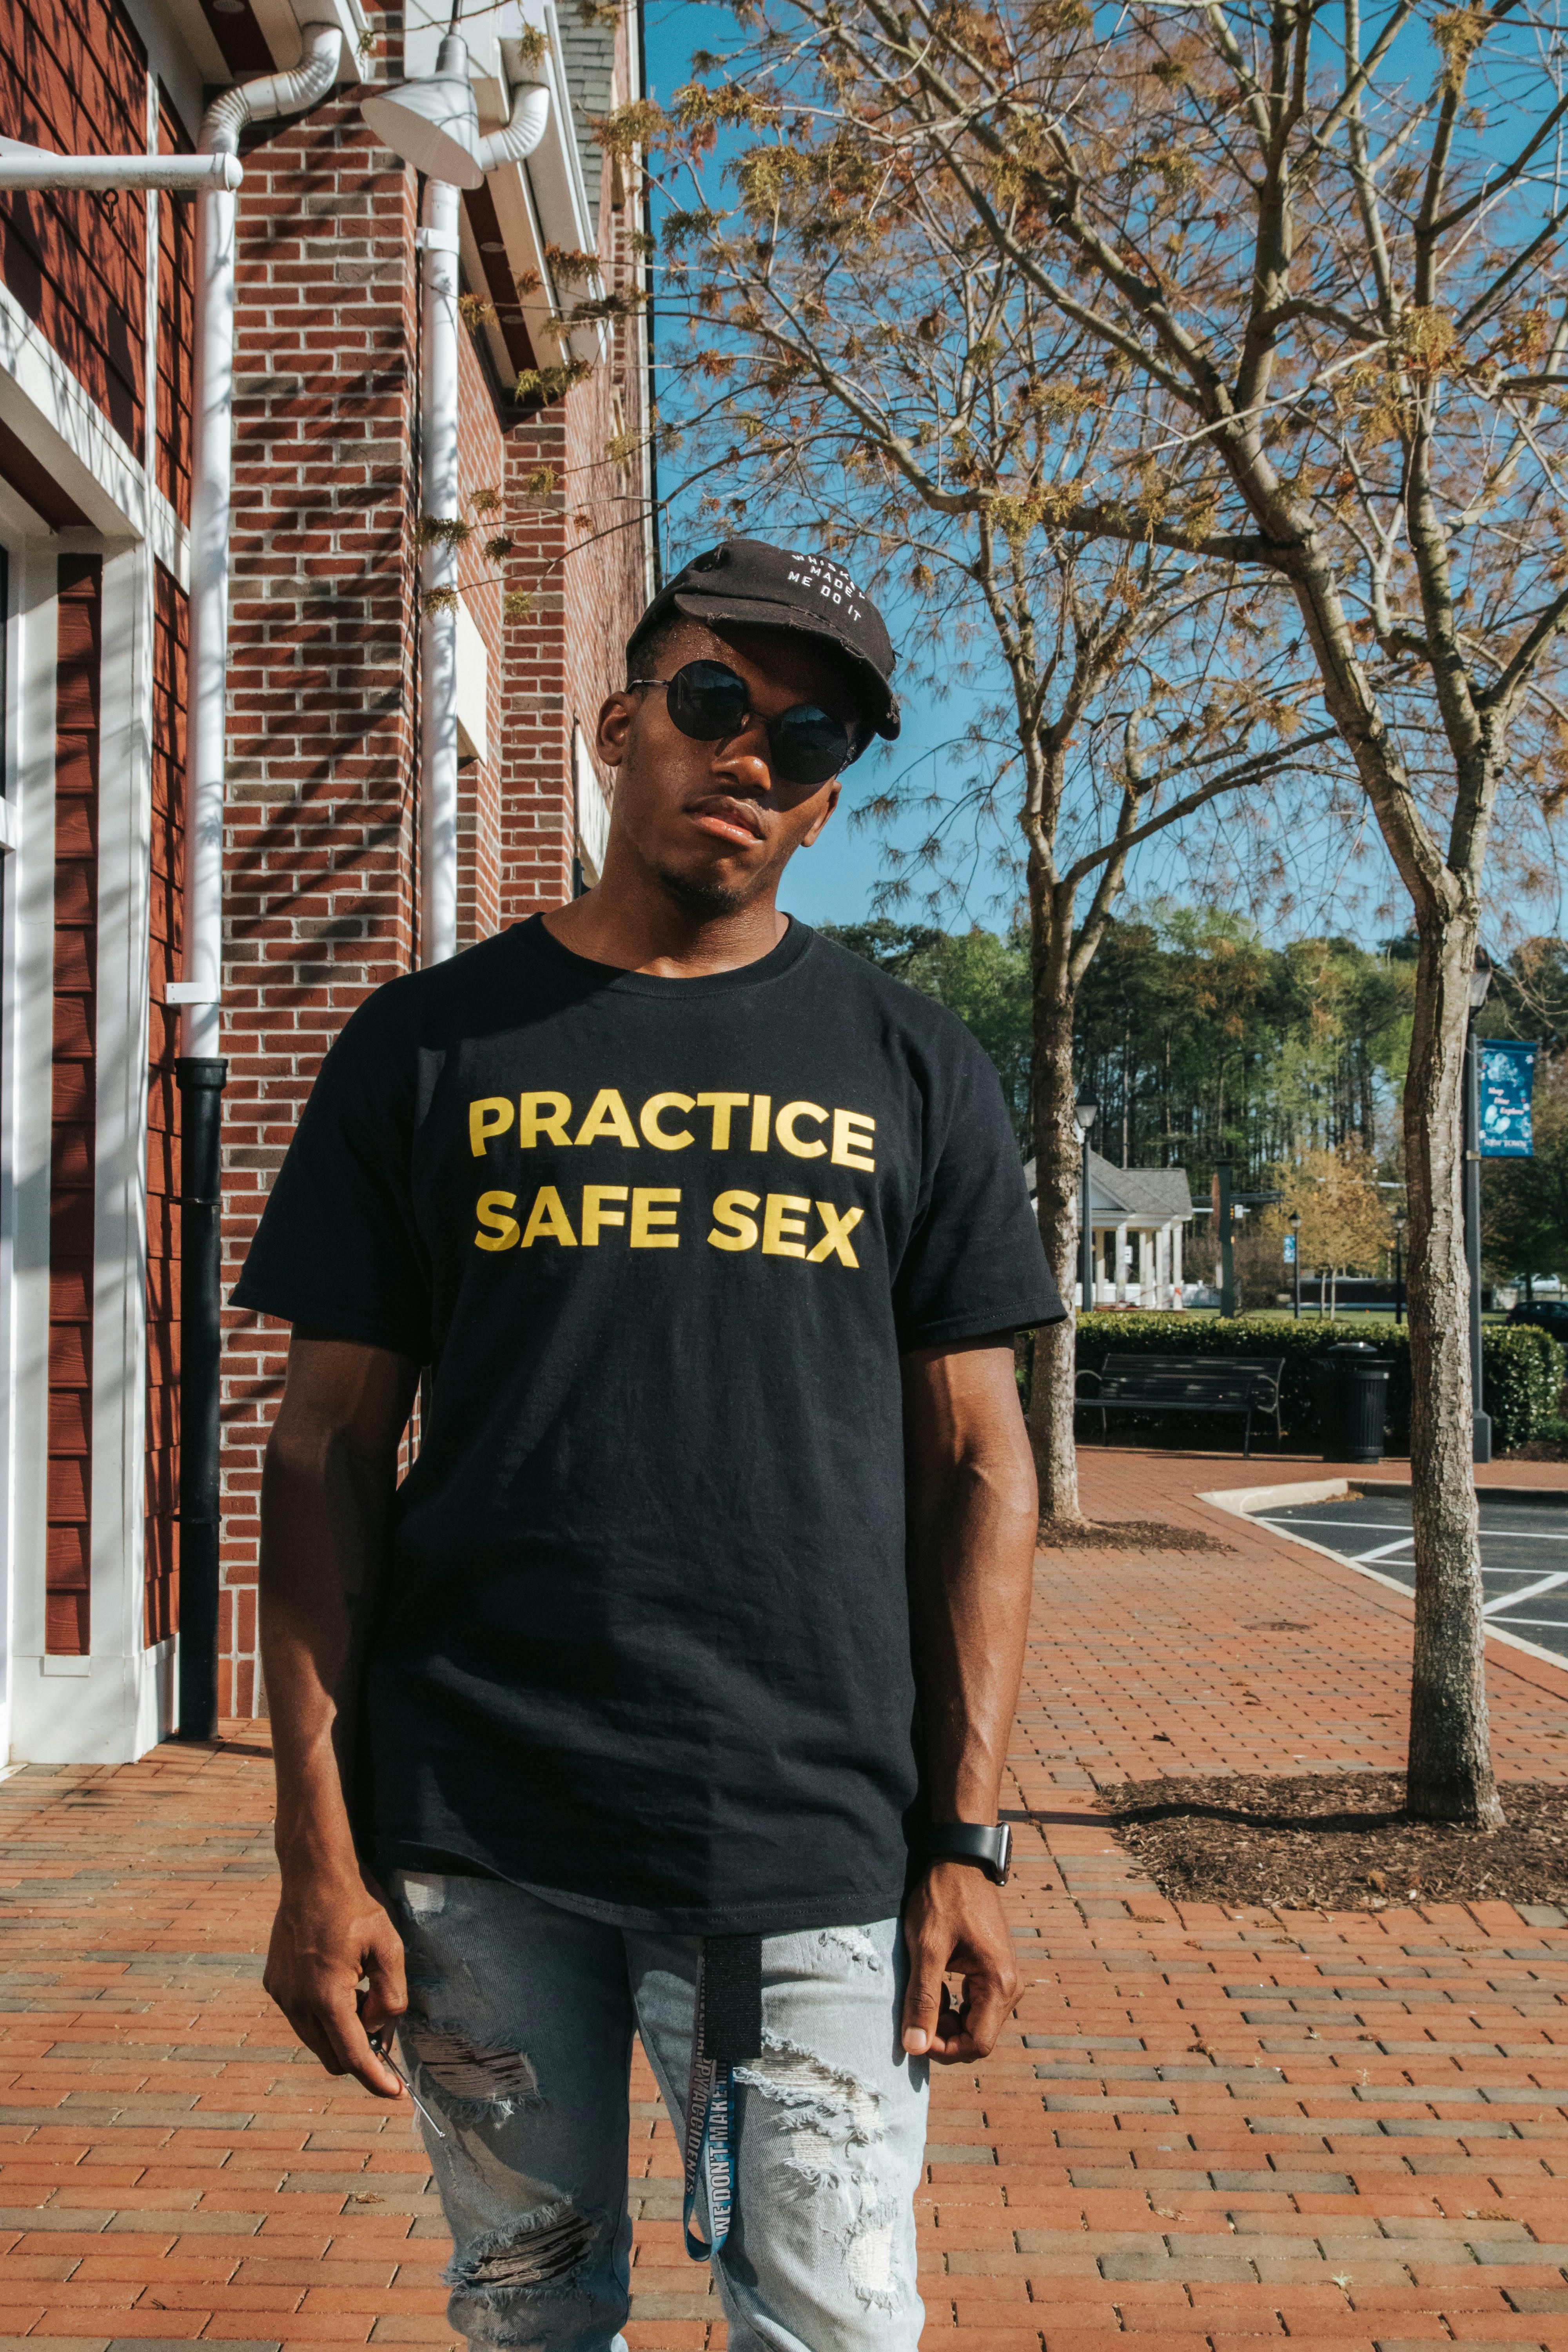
pixel 954 1925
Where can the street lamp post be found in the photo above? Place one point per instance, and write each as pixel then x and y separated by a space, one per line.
pixel 1084 1115
pixel 1481 981
pixel 1296 1264
pixel 1400 1221
pixel 1223 1208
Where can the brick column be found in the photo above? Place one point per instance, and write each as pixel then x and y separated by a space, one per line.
pixel 320 856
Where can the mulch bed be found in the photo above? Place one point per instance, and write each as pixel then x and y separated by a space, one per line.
pixel 1339 1840
pixel 1125 1535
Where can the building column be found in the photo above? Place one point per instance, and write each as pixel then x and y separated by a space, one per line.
pixel 1118 1287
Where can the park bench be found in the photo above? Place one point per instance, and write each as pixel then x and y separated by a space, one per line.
pixel 1236 1385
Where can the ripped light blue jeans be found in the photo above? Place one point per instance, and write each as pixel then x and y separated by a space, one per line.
pixel 518 2040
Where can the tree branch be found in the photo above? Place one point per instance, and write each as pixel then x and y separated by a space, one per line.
pixel 1250 773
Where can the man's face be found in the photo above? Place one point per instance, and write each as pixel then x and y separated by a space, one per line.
pixel 710 821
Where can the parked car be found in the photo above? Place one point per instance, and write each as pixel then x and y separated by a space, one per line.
pixel 1551 1314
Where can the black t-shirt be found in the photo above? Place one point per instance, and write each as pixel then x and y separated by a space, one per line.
pixel 646 1644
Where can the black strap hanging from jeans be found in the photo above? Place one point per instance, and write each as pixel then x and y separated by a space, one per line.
pixel 728 2030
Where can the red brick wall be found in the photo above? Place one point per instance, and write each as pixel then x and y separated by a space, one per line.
pixel 161 1481
pixel 73 77
pixel 320 856
pixel 536 780
pixel 321 851
pixel 73 1117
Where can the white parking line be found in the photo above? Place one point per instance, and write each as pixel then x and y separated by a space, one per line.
pixel 1511 1600
pixel 1509 1534
pixel 1323 1526
pixel 1383 1552
pixel 1557 1624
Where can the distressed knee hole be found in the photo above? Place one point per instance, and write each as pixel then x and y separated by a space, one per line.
pixel 825 2110
pixel 467 2070
pixel 834 2122
pixel 537 2251
pixel 816 2096
pixel 868 2258
pixel 425 1894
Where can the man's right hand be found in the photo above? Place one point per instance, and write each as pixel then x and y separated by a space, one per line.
pixel 330 1936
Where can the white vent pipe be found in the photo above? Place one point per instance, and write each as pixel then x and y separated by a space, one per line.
pixel 21 166
pixel 213 468
pixel 440 504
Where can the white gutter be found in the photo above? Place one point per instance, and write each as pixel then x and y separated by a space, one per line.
pixel 212 475
pixel 21 166
pixel 440 503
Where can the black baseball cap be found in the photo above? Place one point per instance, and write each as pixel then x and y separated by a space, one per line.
pixel 772 588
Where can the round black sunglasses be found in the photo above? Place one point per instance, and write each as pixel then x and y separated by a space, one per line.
pixel 709 703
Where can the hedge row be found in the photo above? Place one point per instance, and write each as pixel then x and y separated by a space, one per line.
pixel 1522 1366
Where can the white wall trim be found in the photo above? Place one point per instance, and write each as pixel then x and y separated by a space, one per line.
pixel 171 542
pixel 42 401
pixel 591 808
pixel 120 1208
pixel 182 53
pixel 26 1058
pixel 10 748
pixel 97 1710
pixel 471 695
pixel 154 1697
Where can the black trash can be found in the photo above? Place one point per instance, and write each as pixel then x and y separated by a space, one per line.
pixel 1353 1399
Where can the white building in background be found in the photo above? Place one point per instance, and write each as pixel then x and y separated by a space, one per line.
pixel 1137 1216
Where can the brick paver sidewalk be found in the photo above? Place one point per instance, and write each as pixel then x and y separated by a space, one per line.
pixel 1208 2126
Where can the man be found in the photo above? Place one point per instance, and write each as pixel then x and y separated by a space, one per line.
pixel 670 1690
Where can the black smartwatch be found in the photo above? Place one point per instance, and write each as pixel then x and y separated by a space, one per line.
pixel 968 1842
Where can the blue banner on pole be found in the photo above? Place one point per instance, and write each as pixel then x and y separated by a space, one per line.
pixel 1507 1077
pixel 1290 1249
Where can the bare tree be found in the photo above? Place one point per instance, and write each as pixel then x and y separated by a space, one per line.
pixel 1319 262
pixel 860 362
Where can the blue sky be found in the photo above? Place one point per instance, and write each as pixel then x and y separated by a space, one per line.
pixel 835 882
pixel 1335 886
pixel 832 883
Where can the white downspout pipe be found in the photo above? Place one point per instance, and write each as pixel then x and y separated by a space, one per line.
pixel 199 1070
pixel 438 241
pixel 523 130
pixel 201 988
pixel 440 505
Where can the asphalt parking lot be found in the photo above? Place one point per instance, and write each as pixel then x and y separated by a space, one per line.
pixel 1524 1551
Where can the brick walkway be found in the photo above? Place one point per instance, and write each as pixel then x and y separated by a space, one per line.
pixel 1208 2126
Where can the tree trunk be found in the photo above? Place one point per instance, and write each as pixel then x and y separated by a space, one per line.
pixel 1059 1165
pixel 1450 1771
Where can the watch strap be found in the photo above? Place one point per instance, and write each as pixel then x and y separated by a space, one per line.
pixel 988 1846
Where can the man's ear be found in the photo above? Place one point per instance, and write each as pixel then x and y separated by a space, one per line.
pixel 616 716
pixel 830 801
